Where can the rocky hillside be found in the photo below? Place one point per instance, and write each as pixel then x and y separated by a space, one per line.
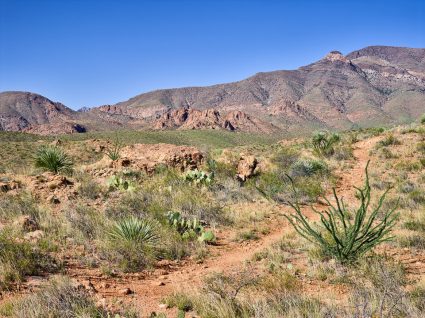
pixel 375 85
pixel 22 111
pixel 187 118
pixel 33 113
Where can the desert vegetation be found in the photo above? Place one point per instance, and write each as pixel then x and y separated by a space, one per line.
pixel 241 228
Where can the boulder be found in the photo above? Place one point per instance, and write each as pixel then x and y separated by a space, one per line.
pixel 247 167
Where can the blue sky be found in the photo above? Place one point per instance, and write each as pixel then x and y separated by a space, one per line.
pixel 89 53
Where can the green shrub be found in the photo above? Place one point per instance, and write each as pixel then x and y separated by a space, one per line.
pixel 135 230
pixel 423 119
pixel 60 298
pixel 308 168
pixel 53 159
pixel 323 142
pixel 90 189
pixel 388 141
pixel 19 258
pixel 113 151
pixel 338 235
pixel 133 243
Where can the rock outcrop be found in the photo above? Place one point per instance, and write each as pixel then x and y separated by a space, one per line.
pixel 186 118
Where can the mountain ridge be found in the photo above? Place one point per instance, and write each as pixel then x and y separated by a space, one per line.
pixel 376 85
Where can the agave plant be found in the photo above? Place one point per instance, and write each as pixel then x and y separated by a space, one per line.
pixel 53 159
pixel 135 230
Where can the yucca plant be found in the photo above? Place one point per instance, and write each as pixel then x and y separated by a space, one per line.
pixel 135 230
pixel 53 159
pixel 340 236
pixel 113 152
pixel 323 142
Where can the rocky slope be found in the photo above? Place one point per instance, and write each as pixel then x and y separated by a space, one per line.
pixel 187 118
pixel 377 85
pixel 27 111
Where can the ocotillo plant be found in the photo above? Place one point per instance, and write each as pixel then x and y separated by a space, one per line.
pixel 342 237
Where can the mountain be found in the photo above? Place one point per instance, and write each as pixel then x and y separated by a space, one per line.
pixel 33 113
pixel 23 111
pixel 377 85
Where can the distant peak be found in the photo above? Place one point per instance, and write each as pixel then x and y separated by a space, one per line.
pixel 336 56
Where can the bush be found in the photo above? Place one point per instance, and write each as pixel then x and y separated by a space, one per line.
pixel 323 142
pixel 53 159
pixel 308 168
pixel 58 299
pixel 133 243
pixel 18 259
pixel 338 235
pixel 388 141
pixel 423 119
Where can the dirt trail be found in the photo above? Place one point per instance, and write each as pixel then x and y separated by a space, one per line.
pixel 228 256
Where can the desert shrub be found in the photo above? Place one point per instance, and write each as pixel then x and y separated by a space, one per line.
pixel 19 258
pixel 133 243
pixel 12 206
pixel 423 119
pixel 85 220
pixel 53 159
pixel 379 291
pixel 179 300
pixel 341 237
pixel 323 142
pixel 60 298
pixel 114 148
pixel 250 296
pixel 421 147
pixel 343 153
pixel 417 196
pixel 417 297
pixel 415 225
pixel 389 140
pixel 130 204
pixel 412 241
pixel 308 168
pixel 90 189
pixel 386 153
pixel 285 157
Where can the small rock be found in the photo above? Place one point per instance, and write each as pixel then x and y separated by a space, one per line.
pixel 163 306
pixel 34 236
pixel 126 291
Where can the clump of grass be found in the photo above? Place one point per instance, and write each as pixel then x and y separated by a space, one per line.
pixel 53 159
pixel 19 258
pixel 60 298
pixel 389 140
